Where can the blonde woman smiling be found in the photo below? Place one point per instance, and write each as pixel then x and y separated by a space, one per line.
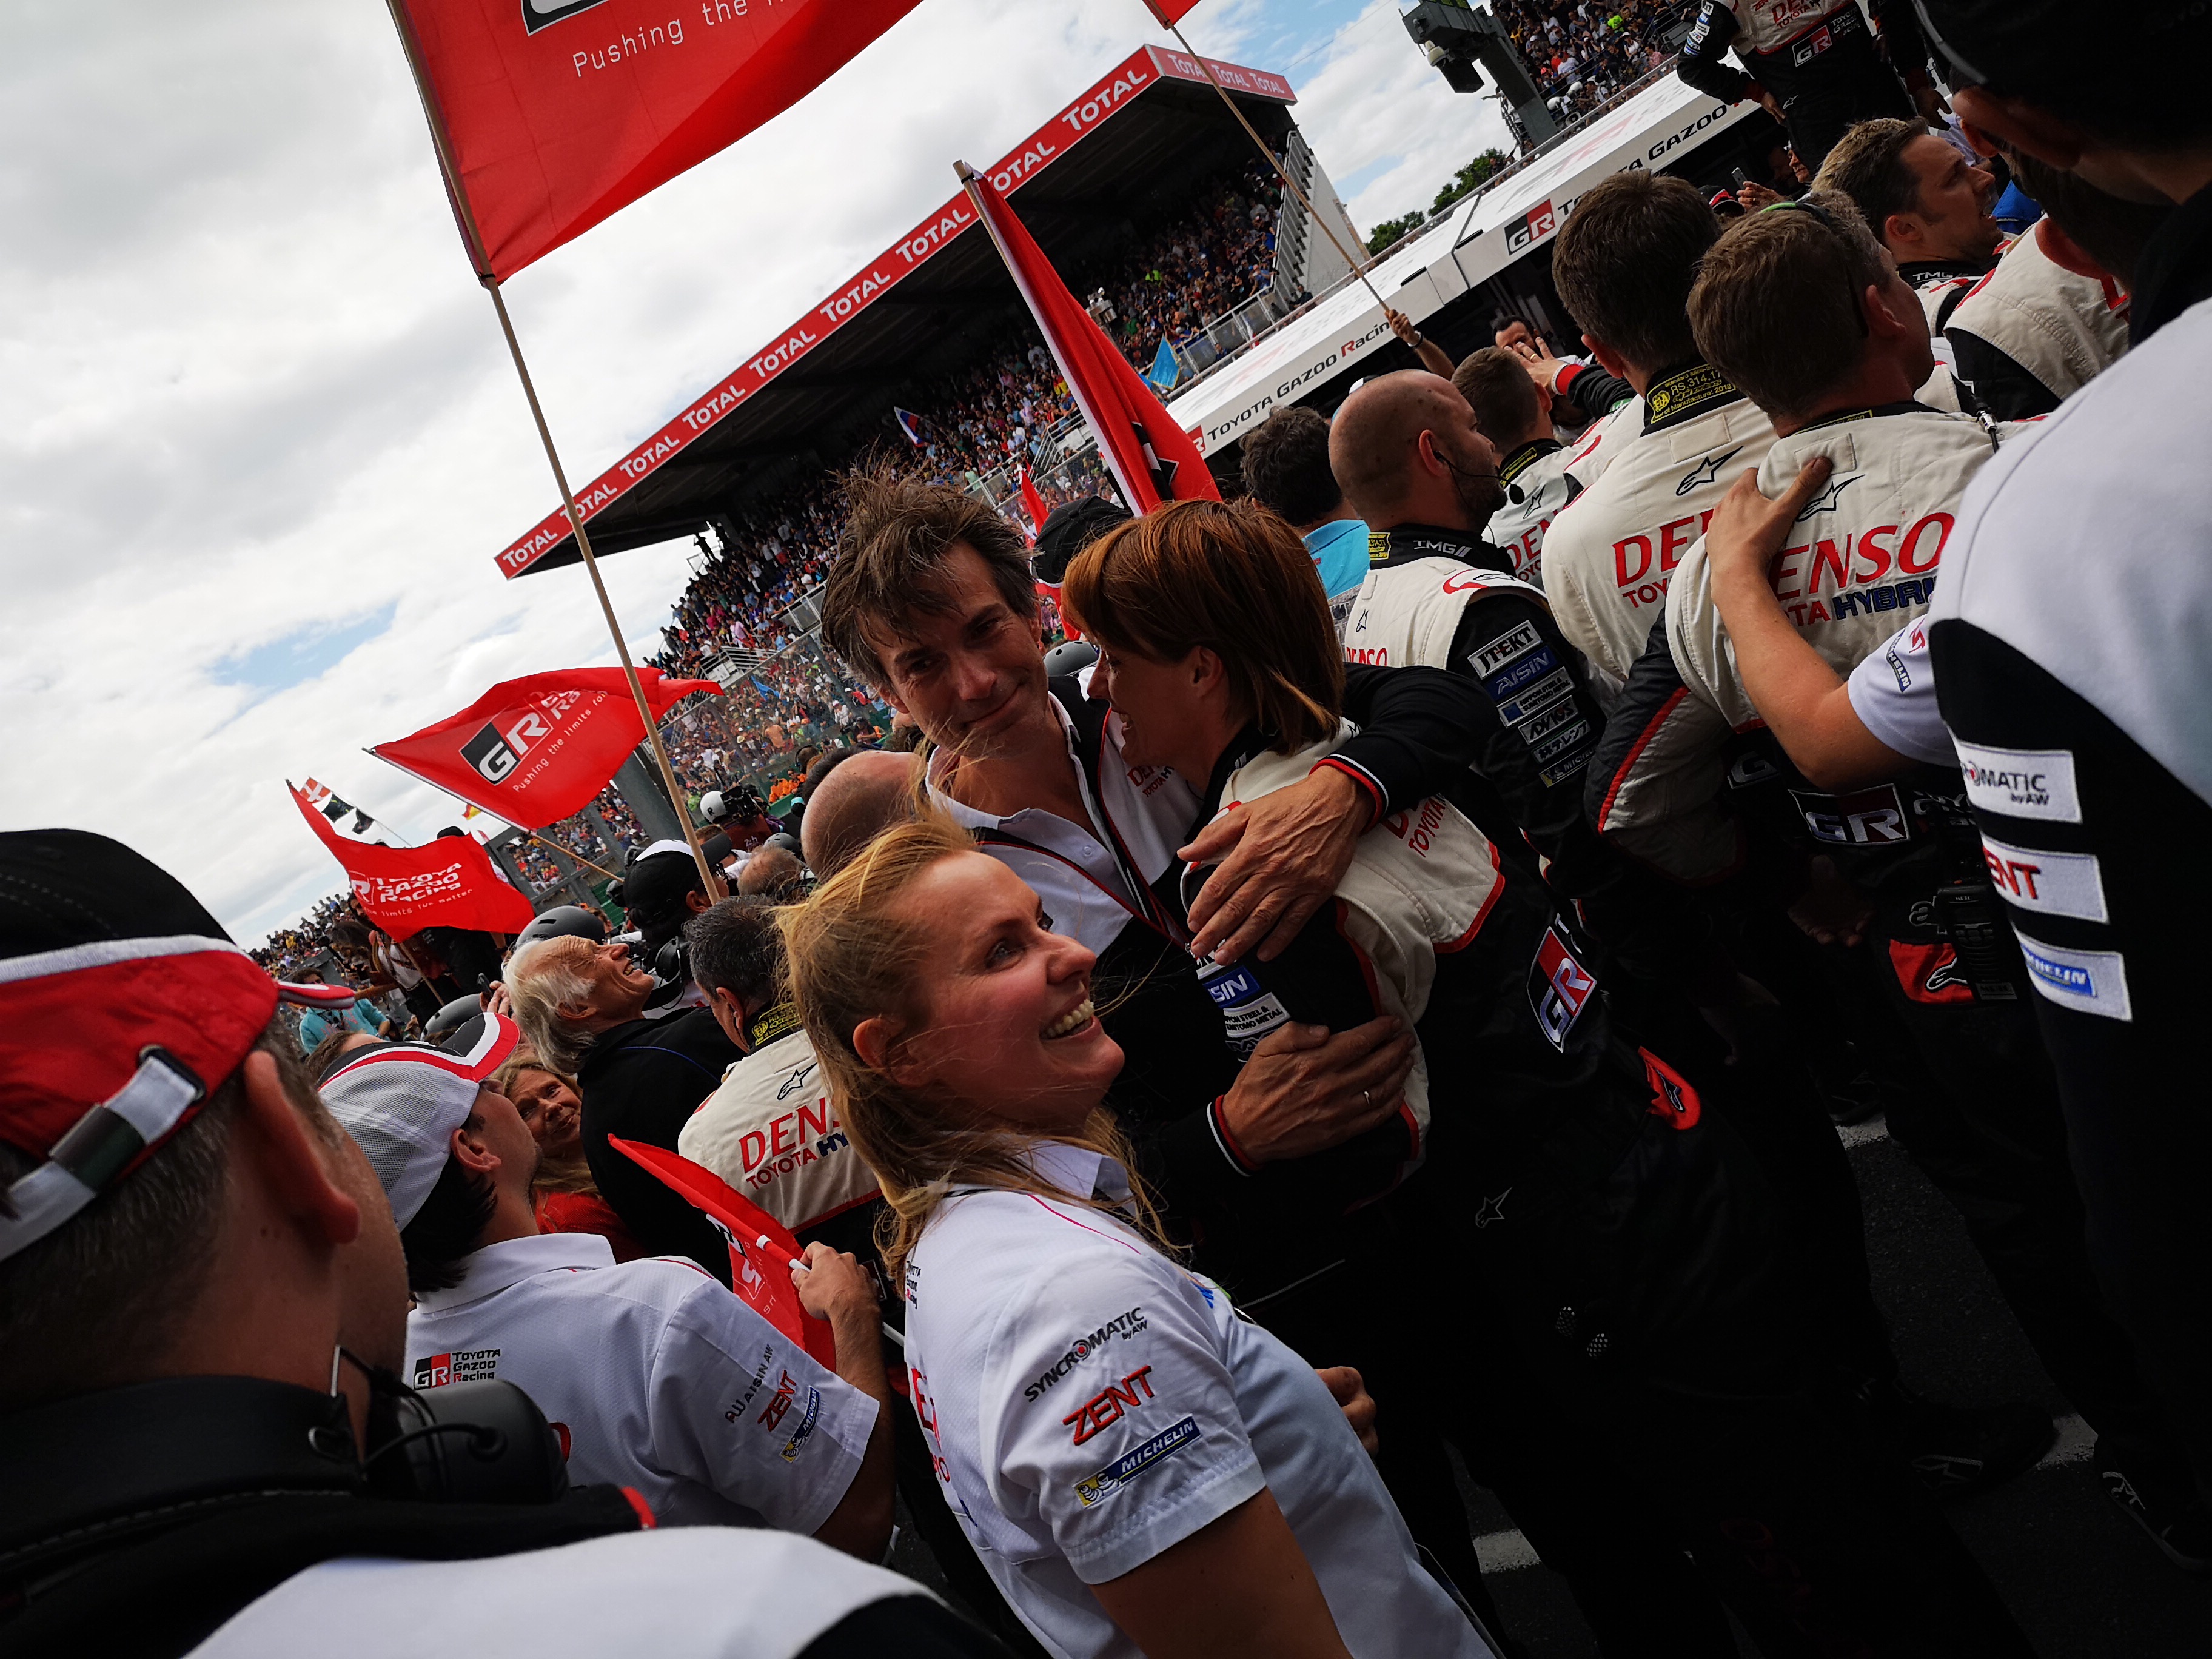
pixel 1140 1470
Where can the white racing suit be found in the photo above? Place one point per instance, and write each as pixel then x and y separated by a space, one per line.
pixel 2032 332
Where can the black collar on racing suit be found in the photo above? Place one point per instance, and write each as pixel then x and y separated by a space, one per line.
pixel 1918 273
pixel 1403 543
pixel 1903 406
pixel 1520 461
pixel 1685 392
pixel 2174 271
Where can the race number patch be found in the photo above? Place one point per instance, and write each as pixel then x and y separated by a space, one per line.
pixel 1560 987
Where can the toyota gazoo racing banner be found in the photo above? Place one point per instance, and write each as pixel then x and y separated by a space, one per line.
pixel 534 750
pixel 451 883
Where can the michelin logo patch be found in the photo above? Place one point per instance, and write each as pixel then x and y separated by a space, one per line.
pixel 1130 1465
pixel 2021 783
pixel 2090 981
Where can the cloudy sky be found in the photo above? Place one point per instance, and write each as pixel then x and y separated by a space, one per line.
pixel 260 439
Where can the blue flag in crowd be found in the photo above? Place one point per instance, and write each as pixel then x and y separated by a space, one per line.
pixel 1164 368
pixel 908 422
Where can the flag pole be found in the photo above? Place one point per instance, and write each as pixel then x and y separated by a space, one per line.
pixel 466 215
pixel 1358 267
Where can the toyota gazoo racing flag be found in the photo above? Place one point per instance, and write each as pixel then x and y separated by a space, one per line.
pixel 452 883
pixel 533 750
pixel 1153 458
pixel 559 113
pixel 761 1249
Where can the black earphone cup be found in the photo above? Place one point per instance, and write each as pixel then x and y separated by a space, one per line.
pixel 466 1442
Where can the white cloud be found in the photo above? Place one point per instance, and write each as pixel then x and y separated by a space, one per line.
pixel 249 389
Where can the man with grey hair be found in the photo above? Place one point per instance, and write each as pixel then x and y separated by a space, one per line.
pixel 583 1008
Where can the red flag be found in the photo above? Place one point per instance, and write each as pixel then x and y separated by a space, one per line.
pixel 1151 457
pixel 1170 12
pixel 452 883
pixel 535 749
pixel 1032 504
pixel 559 113
pixel 762 1249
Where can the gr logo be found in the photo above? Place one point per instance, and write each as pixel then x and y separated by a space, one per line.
pixel 538 14
pixel 496 754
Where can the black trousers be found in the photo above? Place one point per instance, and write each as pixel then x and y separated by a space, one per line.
pixel 1980 1115
pixel 1654 1308
pixel 1378 1312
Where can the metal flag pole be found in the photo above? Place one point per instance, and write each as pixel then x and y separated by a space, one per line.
pixel 1358 267
pixel 466 214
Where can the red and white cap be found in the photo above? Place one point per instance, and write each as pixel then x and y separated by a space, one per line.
pixel 401 1103
pixel 121 1007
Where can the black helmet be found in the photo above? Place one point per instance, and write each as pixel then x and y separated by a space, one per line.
pixel 787 840
pixel 450 1017
pixel 1072 526
pixel 569 921
pixel 1069 657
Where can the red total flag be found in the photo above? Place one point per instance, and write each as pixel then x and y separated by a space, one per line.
pixel 1170 12
pixel 535 749
pixel 1151 457
pixel 559 113
pixel 761 1249
pixel 452 883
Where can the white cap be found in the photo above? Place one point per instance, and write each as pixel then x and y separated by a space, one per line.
pixel 402 1101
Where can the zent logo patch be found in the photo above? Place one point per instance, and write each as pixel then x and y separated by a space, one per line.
pixel 1109 1405
pixel 2054 883
pixel 1132 1465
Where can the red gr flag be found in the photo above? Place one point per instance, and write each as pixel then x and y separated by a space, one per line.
pixel 1032 504
pixel 535 749
pixel 761 1249
pixel 452 883
pixel 559 113
pixel 1151 457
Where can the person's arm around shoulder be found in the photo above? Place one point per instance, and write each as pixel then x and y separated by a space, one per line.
pixel 1803 701
pixel 1279 857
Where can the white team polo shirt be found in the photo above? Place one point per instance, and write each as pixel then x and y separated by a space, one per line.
pixel 1893 691
pixel 1073 868
pixel 654 1377
pixel 705 1593
pixel 1091 1404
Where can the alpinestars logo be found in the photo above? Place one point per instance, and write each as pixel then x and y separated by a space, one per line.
pixel 1706 471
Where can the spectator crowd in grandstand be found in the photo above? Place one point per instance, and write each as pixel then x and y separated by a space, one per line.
pixel 1580 54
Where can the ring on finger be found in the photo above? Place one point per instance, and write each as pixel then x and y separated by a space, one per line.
pixel 1366 1099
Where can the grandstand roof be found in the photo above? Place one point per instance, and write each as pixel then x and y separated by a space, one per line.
pixel 1657 128
pixel 1129 146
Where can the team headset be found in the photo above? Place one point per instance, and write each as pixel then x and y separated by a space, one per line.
pixel 463 1443
pixel 1513 491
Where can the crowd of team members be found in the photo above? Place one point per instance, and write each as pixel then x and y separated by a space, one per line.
pixel 1359 1016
